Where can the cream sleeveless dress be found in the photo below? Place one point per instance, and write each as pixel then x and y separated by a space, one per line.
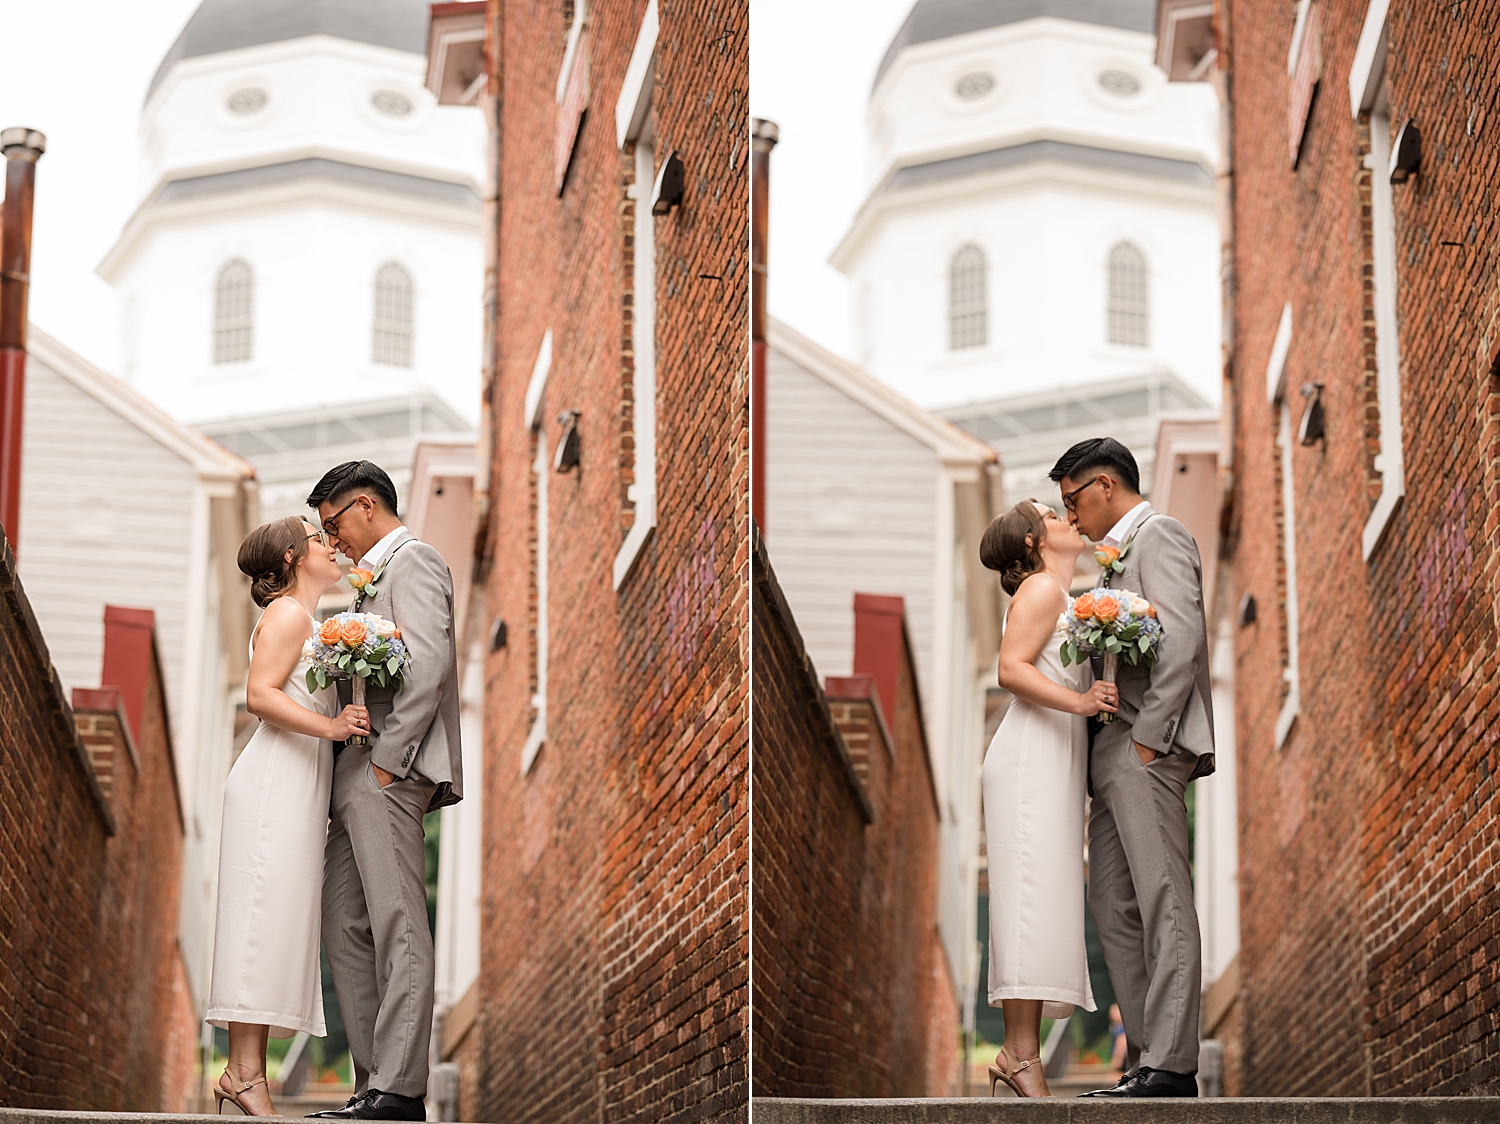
pixel 271 876
pixel 1035 781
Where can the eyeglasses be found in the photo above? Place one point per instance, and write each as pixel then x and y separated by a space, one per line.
pixel 1070 499
pixel 321 536
pixel 331 524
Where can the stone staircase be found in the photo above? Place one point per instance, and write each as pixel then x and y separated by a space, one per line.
pixel 1224 1110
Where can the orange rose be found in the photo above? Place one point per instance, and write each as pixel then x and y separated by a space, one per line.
pixel 328 631
pixel 1106 556
pixel 1151 612
pixel 1083 608
pixel 354 633
pixel 397 634
pixel 1106 609
pixel 359 578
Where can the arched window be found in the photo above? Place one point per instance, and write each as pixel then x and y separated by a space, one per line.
pixel 234 312
pixel 1129 304
pixel 968 302
pixel 393 326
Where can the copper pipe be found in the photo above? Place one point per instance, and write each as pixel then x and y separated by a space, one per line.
pixel 764 135
pixel 22 148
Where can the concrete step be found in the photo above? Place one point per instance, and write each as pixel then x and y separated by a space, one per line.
pixel 1219 1110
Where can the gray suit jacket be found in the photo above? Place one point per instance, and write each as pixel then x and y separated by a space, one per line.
pixel 415 730
pixel 1169 707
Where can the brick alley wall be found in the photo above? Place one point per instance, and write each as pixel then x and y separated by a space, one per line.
pixel 852 992
pixel 615 929
pixel 1368 857
pixel 88 933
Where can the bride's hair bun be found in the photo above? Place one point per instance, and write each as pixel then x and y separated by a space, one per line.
pixel 1004 547
pixel 262 557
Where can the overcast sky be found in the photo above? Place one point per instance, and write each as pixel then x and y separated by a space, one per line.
pixel 811 66
pixel 78 71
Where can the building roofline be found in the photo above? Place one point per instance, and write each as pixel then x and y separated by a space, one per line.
pixel 207 457
pixel 950 442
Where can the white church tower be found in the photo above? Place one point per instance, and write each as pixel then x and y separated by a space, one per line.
pixel 1040 223
pixel 306 250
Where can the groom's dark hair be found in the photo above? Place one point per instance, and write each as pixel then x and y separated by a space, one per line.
pixel 1094 455
pixel 343 480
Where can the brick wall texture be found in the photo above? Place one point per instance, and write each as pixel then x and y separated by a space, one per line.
pixel 852 994
pixel 94 1005
pixel 615 926
pixel 1370 943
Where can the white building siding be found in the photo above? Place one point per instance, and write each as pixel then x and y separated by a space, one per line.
pixel 850 508
pixel 106 518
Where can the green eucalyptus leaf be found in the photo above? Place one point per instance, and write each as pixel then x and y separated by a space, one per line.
pixel 312 678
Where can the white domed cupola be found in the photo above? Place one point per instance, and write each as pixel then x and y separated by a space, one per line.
pixel 1039 204
pixel 291 153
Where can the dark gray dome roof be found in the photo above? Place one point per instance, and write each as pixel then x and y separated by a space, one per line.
pixel 943 19
pixel 224 25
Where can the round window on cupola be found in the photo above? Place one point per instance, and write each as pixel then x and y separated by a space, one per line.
pixel 1119 83
pixel 392 103
pixel 247 102
pixel 974 86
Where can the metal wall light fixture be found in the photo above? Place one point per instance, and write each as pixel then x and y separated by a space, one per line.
pixel 1406 152
pixel 568 444
pixel 1311 431
pixel 667 193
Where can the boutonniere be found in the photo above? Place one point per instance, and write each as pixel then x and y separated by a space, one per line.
pixel 363 581
pixel 1112 557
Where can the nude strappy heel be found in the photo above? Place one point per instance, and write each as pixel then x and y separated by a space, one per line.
pixel 233 1095
pixel 1008 1075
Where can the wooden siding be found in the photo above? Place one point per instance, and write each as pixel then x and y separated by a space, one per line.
pixel 851 506
pixel 106 517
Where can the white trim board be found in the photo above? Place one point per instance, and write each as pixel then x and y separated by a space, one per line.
pixel 635 91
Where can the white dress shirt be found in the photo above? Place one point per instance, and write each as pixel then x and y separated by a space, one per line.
pixel 376 554
pixel 1117 533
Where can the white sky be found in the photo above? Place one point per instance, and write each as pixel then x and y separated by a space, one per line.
pixel 811 66
pixel 78 71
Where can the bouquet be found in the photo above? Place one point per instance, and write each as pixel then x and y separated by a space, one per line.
pixel 358 647
pixel 1114 623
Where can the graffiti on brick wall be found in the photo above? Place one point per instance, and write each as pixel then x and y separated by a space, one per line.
pixel 692 609
pixel 1445 568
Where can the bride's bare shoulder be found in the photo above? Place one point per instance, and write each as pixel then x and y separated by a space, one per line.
pixel 284 618
pixel 1039 590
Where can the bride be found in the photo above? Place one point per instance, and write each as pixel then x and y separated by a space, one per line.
pixel 266 979
pixel 1034 778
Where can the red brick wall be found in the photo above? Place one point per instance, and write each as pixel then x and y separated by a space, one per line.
pixel 1368 855
pixel 615 929
pixel 852 993
pixel 88 932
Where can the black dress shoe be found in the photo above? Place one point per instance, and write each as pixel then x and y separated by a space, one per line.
pixel 375 1105
pixel 1112 1090
pixel 1148 1082
pixel 337 1113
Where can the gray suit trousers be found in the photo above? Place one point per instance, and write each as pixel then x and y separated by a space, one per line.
pixel 375 924
pixel 1141 896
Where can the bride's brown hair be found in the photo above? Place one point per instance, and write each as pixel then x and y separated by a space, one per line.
pixel 263 557
pixel 1004 546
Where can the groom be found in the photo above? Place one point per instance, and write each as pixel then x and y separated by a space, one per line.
pixel 374 880
pixel 1140 883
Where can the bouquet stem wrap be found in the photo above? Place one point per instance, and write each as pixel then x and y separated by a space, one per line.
pixel 358 684
pixel 1111 665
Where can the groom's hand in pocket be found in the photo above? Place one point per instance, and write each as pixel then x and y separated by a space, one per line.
pixel 382 778
pixel 1147 755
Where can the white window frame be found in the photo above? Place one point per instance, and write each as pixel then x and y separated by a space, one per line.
pixel 229 324
pixel 632 126
pixel 393 340
pixel 1285 438
pixel 535 396
pixel 1117 302
pixel 981 305
pixel 1367 94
